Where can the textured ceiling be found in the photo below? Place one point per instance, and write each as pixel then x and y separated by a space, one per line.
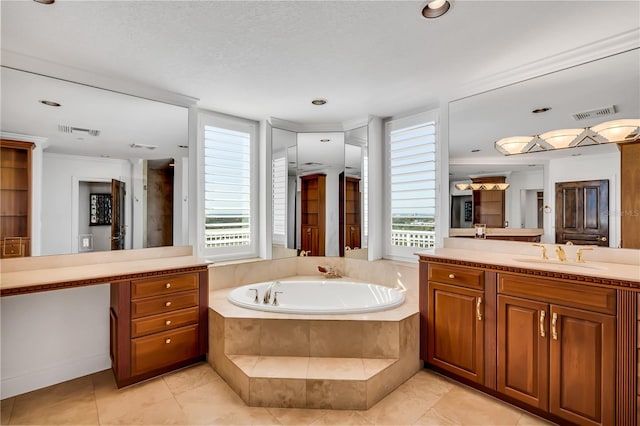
pixel 263 59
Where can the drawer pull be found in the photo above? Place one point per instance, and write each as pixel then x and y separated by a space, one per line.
pixel 167 341
pixel 542 315
pixel 167 304
pixel 167 285
pixel 554 329
pixel 167 322
pixel 478 310
pixel 452 276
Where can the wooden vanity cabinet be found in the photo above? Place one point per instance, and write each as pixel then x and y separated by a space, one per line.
pixel 556 347
pixel 455 321
pixel 158 324
pixel 563 349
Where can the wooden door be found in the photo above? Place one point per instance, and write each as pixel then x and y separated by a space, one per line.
pixel 523 348
pixel 630 195
pixel 582 212
pixel 159 203
pixel 117 215
pixel 456 330
pixel 582 366
pixel 313 219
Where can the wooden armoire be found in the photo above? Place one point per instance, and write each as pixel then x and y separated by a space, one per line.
pixel 313 214
pixel 630 194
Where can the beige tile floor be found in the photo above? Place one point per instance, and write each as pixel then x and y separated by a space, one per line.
pixel 198 396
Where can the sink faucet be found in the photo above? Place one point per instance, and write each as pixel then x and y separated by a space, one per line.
pixel 562 256
pixel 267 294
pixel 544 250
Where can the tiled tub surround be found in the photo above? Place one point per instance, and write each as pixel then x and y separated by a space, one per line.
pixel 314 361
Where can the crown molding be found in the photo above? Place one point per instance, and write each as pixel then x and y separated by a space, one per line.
pixel 45 68
pixel 41 142
pixel 615 44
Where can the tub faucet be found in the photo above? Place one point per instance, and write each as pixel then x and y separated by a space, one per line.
pixel 267 294
pixel 562 256
pixel 329 272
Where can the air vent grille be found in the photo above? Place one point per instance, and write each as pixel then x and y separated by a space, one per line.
pixel 142 145
pixel 70 129
pixel 596 113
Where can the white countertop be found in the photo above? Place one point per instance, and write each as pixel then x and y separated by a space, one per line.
pixel 605 270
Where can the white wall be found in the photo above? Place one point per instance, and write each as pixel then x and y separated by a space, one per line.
pixel 519 181
pixel 53 336
pixel 332 240
pixel 591 167
pixel 60 185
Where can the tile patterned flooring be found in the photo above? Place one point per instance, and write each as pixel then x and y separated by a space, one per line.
pixel 198 396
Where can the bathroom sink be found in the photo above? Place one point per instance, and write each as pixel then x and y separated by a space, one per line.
pixel 567 264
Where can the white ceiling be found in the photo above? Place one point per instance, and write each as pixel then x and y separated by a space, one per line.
pixel 261 59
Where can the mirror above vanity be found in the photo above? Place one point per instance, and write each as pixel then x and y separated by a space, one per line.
pixel 86 138
pixel 581 96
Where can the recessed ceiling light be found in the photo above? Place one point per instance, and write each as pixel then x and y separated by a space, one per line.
pixel 183 146
pixel 436 8
pixel 45 1
pixel 49 103
pixel 319 101
pixel 325 140
pixel 576 155
pixel 541 110
pixel 475 150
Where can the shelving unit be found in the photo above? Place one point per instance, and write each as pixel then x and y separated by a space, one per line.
pixel 15 198
pixel 313 206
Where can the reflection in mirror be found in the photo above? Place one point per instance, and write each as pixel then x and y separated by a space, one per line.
pixel 93 138
pixel 319 190
pixel 572 96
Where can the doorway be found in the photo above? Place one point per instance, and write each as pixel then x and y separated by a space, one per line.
pixel 582 212
pixel 159 203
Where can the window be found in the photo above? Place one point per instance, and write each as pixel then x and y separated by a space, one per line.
pixel 411 184
pixel 230 176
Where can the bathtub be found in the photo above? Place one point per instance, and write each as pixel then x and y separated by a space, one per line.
pixel 318 297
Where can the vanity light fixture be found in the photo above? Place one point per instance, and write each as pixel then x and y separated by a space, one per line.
pixel 436 8
pixel 319 101
pixel 482 186
pixel 616 131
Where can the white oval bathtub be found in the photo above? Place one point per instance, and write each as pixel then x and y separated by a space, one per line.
pixel 318 297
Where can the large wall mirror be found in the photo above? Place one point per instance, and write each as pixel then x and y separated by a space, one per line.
pixel 577 97
pixel 319 186
pixel 93 140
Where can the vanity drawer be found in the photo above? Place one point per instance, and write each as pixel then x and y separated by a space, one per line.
pixel 163 285
pixel 596 299
pixel 15 248
pixel 163 349
pixel 165 303
pixel 457 275
pixel 162 322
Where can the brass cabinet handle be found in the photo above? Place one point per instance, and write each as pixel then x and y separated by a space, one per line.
pixel 603 239
pixel 452 276
pixel 554 330
pixel 167 304
pixel 478 311
pixel 167 285
pixel 167 322
pixel 542 315
pixel 167 341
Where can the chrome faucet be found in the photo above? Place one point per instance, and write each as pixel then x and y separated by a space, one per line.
pixel 562 256
pixel 267 294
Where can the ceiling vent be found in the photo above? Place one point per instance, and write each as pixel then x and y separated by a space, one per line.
pixel 142 145
pixel 75 130
pixel 596 113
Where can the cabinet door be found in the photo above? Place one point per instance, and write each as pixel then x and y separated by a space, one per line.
pixel 455 330
pixel 523 348
pixel 582 366
pixel 310 240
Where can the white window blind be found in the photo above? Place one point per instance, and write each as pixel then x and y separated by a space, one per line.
pixel 279 193
pixel 227 187
pixel 412 182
